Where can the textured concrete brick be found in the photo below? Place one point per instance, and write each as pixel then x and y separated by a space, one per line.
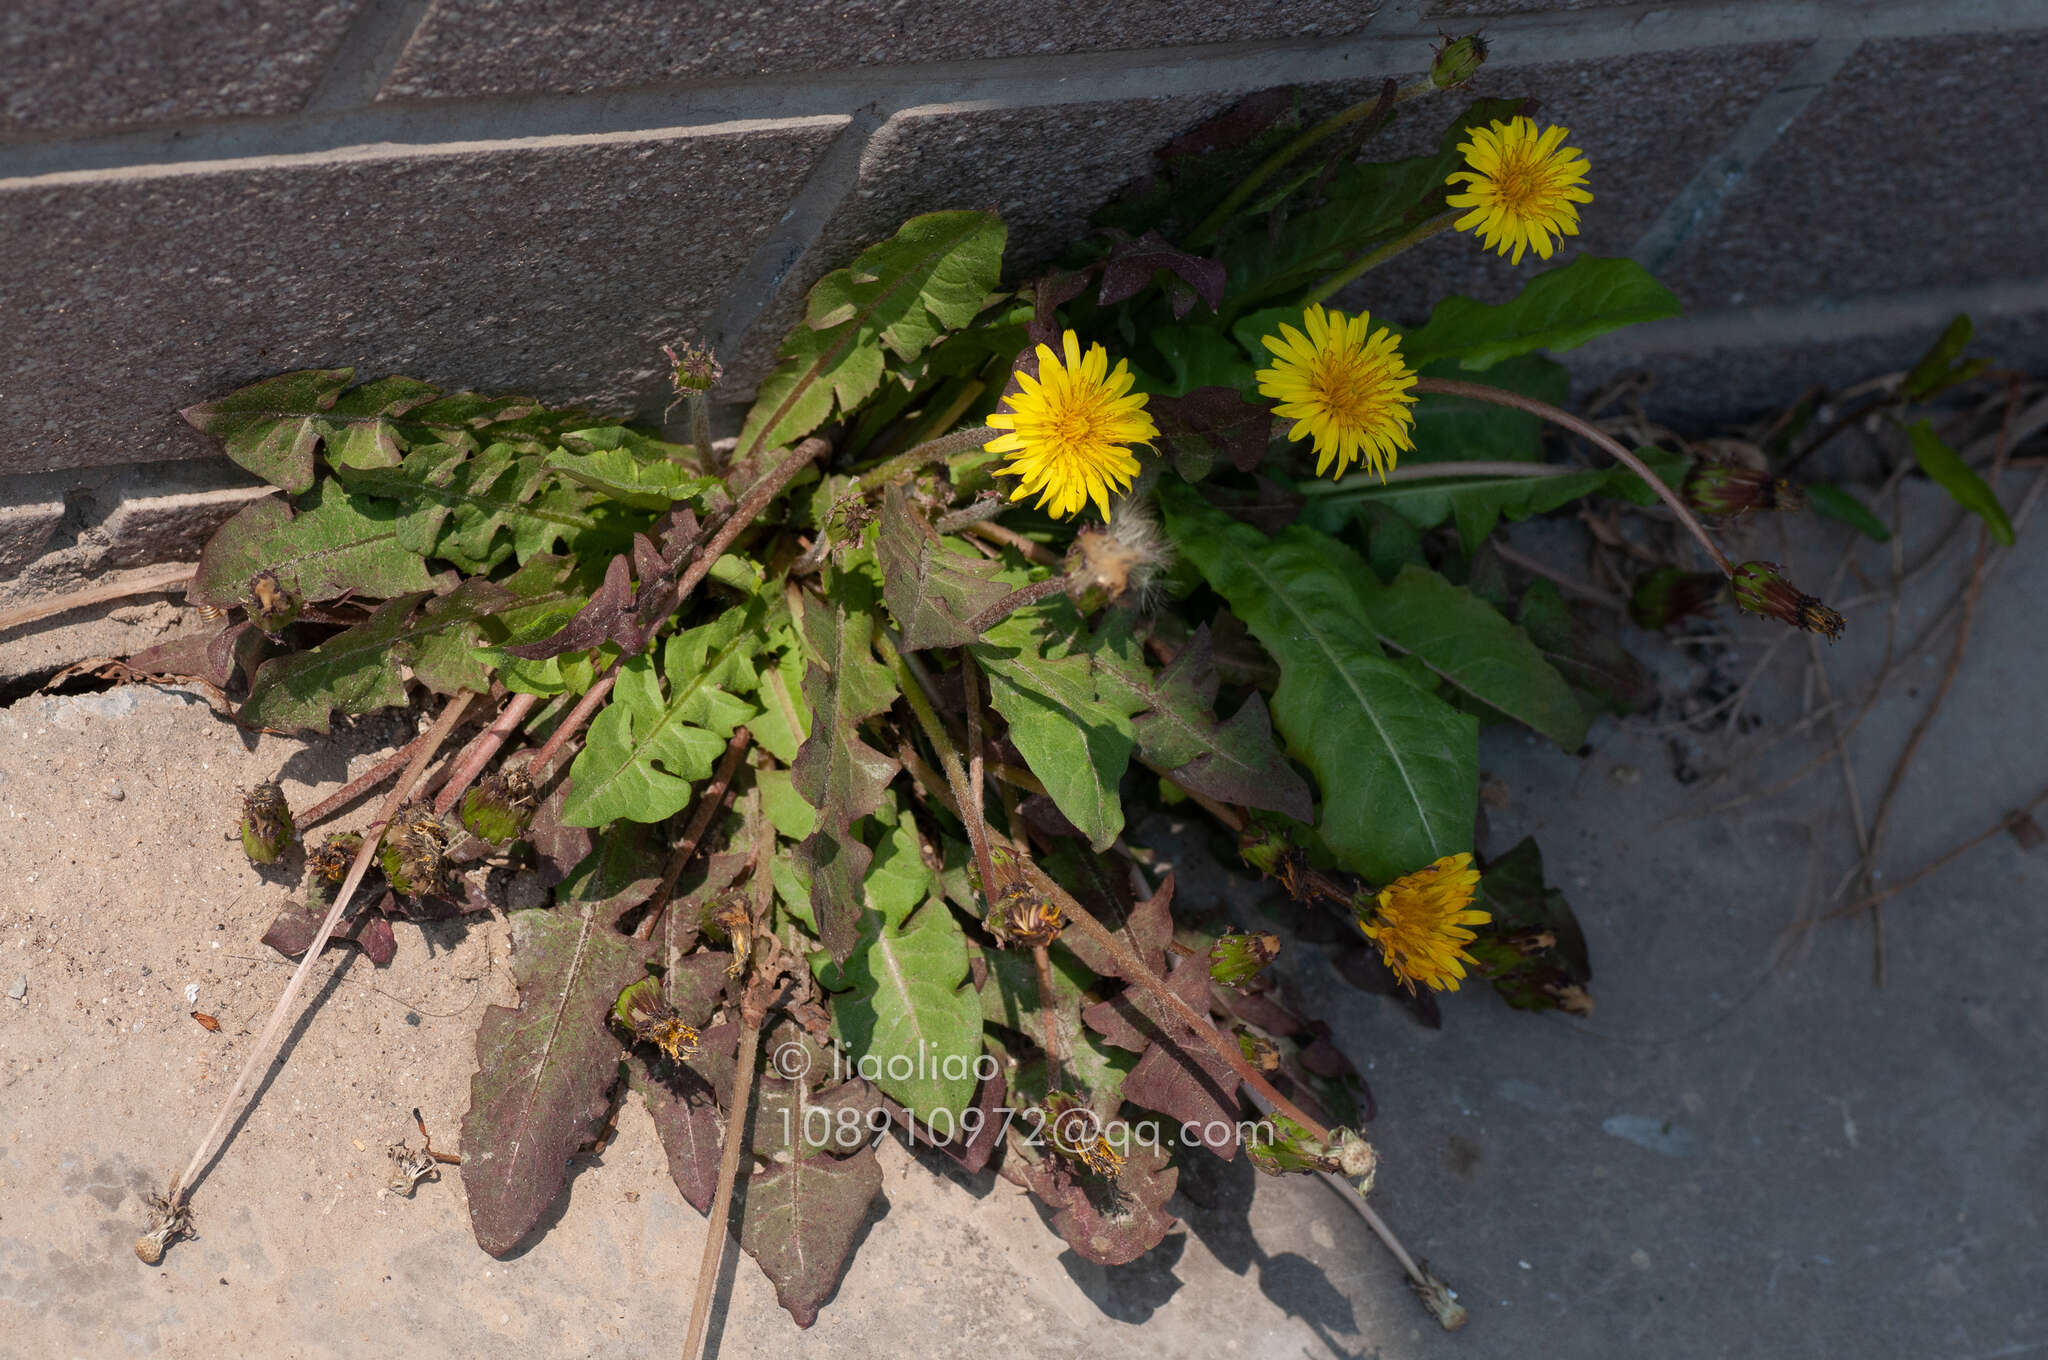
pixel 74 64
pixel 470 47
pixel 25 526
pixel 156 524
pixel 1045 169
pixel 558 269
pixel 1919 165
pixel 1646 125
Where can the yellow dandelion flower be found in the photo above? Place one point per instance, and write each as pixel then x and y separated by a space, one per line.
pixel 1345 385
pixel 1071 428
pixel 1524 187
pixel 1420 924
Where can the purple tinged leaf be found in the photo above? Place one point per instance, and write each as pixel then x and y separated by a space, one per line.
pixel 931 592
pixel 686 1118
pixel 1178 1074
pixel 1236 126
pixel 1110 1223
pixel 800 1221
pixel 974 1153
pixel 559 846
pixel 1234 761
pixel 295 927
pixel 1131 265
pixel 544 1070
pixel 595 623
pixel 1270 509
pixel 272 427
pixel 836 772
pixel 1208 424
pixel 1146 927
pixel 621 871
pixel 359 428
pixel 351 671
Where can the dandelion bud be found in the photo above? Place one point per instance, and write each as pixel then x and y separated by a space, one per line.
pixel 1715 488
pixel 414 854
pixel 1264 847
pixel 266 823
pixel 1668 594
pixel 335 854
pixel 1761 588
pixel 644 1012
pixel 1457 61
pixel 272 607
pixel 1237 957
pixel 695 369
pixel 1258 1050
pixel 1280 1146
pixel 497 808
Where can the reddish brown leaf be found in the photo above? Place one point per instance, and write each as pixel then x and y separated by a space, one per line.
pixel 1179 1075
pixel 687 1118
pixel 1111 1223
pixel 800 1220
pixel 1211 424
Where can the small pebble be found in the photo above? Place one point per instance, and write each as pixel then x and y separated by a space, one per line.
pixel 19 991
pixel 115 793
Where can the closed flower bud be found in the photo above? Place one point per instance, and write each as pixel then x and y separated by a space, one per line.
pixel 1279 1146
pixel 1716 488
pixel 1761 588
pixel 266 823
pixel 497 808
pixel 1457 61
pixel 1237 957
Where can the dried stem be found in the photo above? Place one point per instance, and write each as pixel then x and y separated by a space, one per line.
pixel 1941 861
pixel 259 1052
pixel 1016 600
pixel 473 757
pixel 1450 387
pixel 362 783
pixel 765 488
pixel 931 451
pixel 709 800
pixel 1029 550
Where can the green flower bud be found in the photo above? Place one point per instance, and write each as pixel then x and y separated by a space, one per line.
pixel 1457 61
pixel 1237 957
pixel 266 823
pixel 497 809
pixel 1761 588
pixel 695 369
pixel 1714 488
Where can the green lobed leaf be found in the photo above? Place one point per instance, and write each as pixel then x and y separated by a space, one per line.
pixel 1469 644
pixel 903 1009
pixel 934 274
pixel 1956 477
pixel 361 429
pixel 272 427
pixel 1075 735
pixel 1398 768
pixel 836 772
pixel 544 1068
pixel 621 871
pixel 930 591
pixel 630 468
pixel 454 504
pixel 337 543
pixel 1557 309
pixel 647 748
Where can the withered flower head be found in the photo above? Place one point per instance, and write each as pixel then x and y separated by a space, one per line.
pixel 1025 917
pixel 1258 1050
pixel 415 850
pixel 1077 1135
pixel 168 1222
pixel 273 606
pixel 335 854
pixel 266 823
pixel 731 914
pixel 1121 558
pixel 1761 588
pixel 496 809
pixel 1717 488
pixel 694 369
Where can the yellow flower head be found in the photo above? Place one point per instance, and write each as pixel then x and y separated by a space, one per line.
pixel 1070 428
pixel 1344 384
pixel 1524 186
pixel 1420 924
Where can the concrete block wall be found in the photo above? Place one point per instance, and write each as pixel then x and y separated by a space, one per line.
pixel 535 196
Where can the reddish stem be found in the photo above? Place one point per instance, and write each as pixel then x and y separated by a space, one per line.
pixel 469 763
